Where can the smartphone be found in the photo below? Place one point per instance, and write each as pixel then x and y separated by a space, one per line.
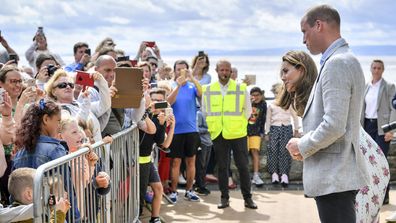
pixel 124 58
pixel 201 53
pixel 87 51
pixel 150 43
pixel 31 82
pixel 153 85
pixel 13 57
pixel 84 79
pixel 168 112
pixel 2 95
pixel 134 63
pixel 40 30
pixel 183 72
pixel 161 105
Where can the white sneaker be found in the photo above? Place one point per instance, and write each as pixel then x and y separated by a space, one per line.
pixel 182 180
pixel 391 218
pixel 191 196
pixel 284 179
pixel 257 180
pixel 173 197
pixel 275 178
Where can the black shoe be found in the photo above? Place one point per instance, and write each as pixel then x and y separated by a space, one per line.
pixel 155 220
pixel 202 191
pixel 223 203
pixel 250 204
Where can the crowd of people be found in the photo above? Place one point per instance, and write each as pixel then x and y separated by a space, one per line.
pixel 45 115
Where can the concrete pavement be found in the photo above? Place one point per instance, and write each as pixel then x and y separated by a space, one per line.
pixel 273 206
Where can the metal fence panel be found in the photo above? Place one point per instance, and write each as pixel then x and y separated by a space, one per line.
pixel 73 177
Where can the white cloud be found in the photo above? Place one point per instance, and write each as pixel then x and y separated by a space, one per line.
pixel 192 25
pixel 68 9
pixel 266 20
pixel 117 20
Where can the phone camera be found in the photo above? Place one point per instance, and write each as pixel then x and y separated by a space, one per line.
pixel 51 69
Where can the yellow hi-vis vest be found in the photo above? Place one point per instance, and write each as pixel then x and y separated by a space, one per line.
pixel 225 114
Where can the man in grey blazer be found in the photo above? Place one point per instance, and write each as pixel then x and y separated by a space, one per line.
pixel 333 165
pixel 377 109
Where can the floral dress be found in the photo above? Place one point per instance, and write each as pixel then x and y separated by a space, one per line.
pixel 369 198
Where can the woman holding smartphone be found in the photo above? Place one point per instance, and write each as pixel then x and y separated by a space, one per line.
pixel 200 67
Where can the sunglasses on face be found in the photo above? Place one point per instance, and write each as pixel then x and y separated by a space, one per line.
pixel 64 85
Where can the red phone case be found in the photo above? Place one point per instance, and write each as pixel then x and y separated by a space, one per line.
pixel 134 63
pixel 84 79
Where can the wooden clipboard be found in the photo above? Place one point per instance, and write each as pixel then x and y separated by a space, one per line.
pixel 128 81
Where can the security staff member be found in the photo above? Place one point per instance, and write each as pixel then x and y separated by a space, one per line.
pixel 226 106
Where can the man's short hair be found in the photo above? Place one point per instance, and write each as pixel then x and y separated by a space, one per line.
pixel 79 45
pixel 103 58
pixel 379 61
pixel 180 62
pixel 19 180
pixel 323 13
pixel 158 91
pixel 223 61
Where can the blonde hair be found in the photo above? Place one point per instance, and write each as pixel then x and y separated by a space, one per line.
pixel 20 179
pixel 49 86
pixel 65 122
pixel 144 64
pixel 165 85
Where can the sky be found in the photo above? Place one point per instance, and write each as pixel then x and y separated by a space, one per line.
pixel 176 25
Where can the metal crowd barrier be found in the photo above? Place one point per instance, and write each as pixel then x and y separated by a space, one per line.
pixel 72 177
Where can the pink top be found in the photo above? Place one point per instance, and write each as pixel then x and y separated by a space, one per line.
pixel 277 116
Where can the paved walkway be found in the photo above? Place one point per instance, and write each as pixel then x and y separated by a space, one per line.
pixel 273 206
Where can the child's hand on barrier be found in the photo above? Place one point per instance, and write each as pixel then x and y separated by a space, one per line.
pixel 92 158
pixel 102 180
pixel 63 205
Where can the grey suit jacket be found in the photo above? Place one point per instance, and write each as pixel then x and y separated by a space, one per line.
pixel 331 123
pixel 386 114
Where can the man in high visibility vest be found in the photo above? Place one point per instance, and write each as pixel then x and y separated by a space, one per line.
pixel 226 106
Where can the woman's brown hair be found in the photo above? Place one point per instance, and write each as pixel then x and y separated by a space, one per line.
pixel 299 98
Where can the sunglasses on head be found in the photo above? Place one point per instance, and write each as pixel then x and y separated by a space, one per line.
pixel 64 85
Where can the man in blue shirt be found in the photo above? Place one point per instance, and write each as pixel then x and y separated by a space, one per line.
pixel 81 57
pixel 186 140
